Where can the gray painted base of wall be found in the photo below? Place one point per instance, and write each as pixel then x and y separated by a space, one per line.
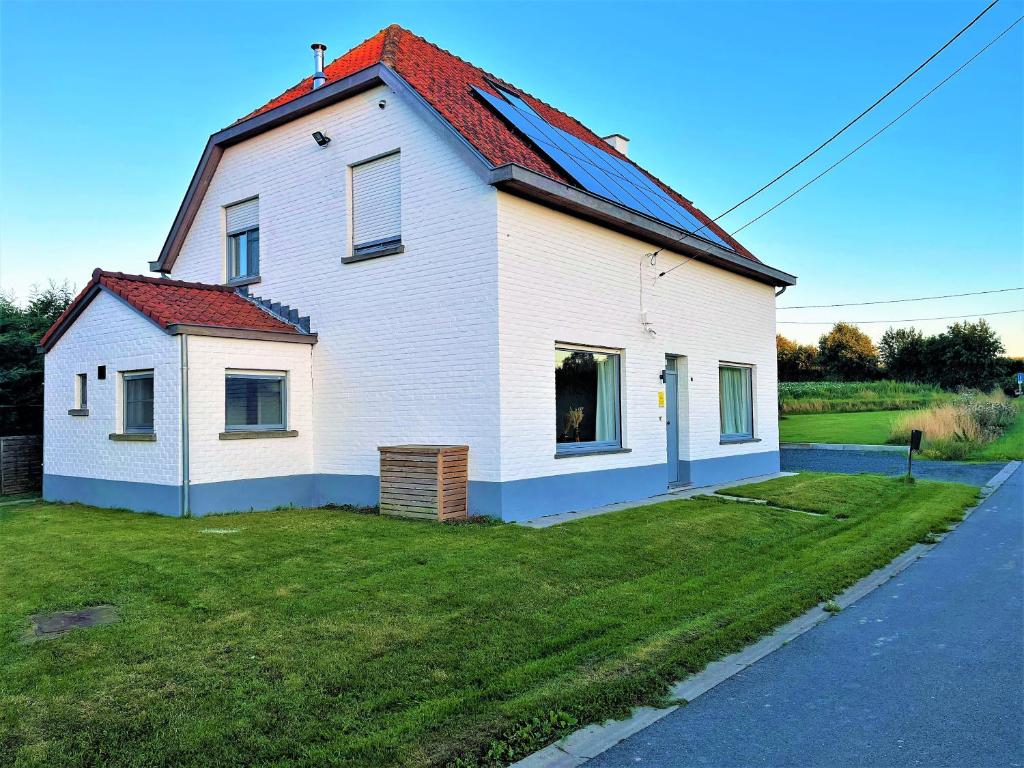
pixel 515 500
pixel 114 494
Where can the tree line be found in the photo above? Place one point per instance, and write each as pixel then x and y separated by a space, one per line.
pixel 965 354
pixel 21 365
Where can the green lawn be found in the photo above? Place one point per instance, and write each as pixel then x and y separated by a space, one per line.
pixel 328 637
pixel 866 428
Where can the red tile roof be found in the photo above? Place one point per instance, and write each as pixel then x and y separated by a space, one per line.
pixel 446 82
pixel 175 302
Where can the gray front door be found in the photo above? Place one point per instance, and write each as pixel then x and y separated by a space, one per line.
pixel 671 415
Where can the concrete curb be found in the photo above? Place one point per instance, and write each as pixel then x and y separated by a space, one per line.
pixel 579 747
pixel 1000 477
pixel 845 447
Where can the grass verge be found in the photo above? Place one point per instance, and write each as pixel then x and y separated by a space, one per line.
pixel 326 637
pixel 870 428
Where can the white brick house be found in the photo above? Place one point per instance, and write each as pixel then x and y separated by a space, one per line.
pixel 467 279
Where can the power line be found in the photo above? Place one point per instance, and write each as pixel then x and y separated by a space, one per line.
pixel 834 136
pixel 900 301
pixel 843 130
pixel 904 320
pixel 877 133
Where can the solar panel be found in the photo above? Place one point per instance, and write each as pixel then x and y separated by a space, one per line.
pixel 597 171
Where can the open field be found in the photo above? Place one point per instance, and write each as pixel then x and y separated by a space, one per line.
pixel 854 396
pixel 867 428
pixel 329 637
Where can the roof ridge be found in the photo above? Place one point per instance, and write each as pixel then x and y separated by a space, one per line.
pixel 392 38
pixel 309 78
pixel 98 274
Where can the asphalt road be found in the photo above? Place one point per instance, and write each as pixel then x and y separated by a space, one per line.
pixel 927 670
pixel 887 463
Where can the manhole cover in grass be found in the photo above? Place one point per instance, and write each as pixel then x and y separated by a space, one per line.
pixel 220 530
pixel 46 626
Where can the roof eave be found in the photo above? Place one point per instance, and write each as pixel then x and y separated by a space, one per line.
pixel 542 189
pixel 194 329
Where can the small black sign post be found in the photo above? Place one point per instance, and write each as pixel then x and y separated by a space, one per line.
pixel 915 445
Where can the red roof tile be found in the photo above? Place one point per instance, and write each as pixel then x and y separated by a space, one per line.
pixel 446 81
pixel 175 302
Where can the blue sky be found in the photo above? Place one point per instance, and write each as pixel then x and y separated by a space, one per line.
pixel 106 107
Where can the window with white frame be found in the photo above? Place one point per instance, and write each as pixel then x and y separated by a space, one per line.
pixel 255 401
pixel 137 408
pixel 588 411
pixel 736 401
pixel 377 207
pixel 243 245
pixel 81 391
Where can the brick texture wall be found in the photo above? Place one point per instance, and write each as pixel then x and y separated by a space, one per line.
pixel 562 279
pixel 408 343
pixel 212 459
pixel 111 333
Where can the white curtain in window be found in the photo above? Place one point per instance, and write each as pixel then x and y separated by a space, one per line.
pixel 735 398
pixel 607 402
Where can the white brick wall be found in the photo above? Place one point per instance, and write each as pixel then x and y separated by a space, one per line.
pixel 563 279
pixel 111 333
pixel 212 459
pixel 408 343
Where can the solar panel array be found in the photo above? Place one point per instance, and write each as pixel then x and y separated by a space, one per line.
pixel 597 171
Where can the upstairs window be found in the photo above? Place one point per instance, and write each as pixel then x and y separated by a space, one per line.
pixel 138 401
pixel 377 207
pixel 736 402
pixel 587 405
pixel 243 231
pixel 255 401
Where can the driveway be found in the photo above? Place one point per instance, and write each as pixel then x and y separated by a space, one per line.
pixel 925 671
pixel 886 463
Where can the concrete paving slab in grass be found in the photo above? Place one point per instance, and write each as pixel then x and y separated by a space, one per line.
pixel 682 493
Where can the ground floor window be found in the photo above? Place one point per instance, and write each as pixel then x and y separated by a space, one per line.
pixel 587 402
pixel 736 402
pixel 255 401
pixel 138 401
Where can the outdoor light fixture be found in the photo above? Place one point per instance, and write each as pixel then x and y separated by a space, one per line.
pixel 320 139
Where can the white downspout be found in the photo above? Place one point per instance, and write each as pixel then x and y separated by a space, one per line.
pixel 186 510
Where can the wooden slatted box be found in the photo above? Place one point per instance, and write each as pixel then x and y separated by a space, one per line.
pixel 427 481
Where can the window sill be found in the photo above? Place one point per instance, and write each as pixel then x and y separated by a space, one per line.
pixel 257 434
pixel 738 440
pixel 238 282
pixel 133 437
pixel 78 411
pixel 374 252
pixel 590 452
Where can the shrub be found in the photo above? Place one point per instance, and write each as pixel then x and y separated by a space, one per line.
pixel 957 429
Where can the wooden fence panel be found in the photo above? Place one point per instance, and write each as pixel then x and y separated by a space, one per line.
pixel 21 464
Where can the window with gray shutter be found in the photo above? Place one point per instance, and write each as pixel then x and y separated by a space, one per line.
pixel 243 233
pixel 377 207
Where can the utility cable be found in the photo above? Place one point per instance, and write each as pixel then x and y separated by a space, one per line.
pixel 901 301
pixel 903 320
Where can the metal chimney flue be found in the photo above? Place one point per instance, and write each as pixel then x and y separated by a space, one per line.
pixel 319 78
